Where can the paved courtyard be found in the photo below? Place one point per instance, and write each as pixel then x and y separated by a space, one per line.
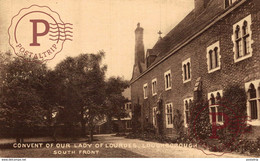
pixel 112 147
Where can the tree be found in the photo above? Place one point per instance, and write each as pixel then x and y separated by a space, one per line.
pixel 114 99
pixel 82 90
pixel 21 101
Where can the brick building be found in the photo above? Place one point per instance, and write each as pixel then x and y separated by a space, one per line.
pixel 216 45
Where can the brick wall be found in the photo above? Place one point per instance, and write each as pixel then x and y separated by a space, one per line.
pixel 229 74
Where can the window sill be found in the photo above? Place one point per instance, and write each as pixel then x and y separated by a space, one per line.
pixel 146 98
pixel 213 70
pixel 254 122
pixel 167 89
pixel 169 126
pixel 242 58
pixel 185 81
pixel 155 94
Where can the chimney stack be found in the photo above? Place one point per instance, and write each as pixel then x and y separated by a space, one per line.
pixel 139 45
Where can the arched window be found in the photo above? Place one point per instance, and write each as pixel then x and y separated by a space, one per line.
pixel 218 97
pixel 211 59
pixel 215 108
pixel 212 100
pixel 253 102
pixel 238 42
pixel 246 38
pixel 216 56
pixel 185 72
pixel 187 107
pixel 186 65
pixel 188 68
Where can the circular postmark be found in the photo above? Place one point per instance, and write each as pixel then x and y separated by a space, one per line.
pixel 37 33
pixel 217 127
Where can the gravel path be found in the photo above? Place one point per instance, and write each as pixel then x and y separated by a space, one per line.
pixel 118 147
pixel 159 150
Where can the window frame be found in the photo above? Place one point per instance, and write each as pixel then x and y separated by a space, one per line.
pixel 169 125
pixel 168 72
pixel 215 105
pixel 185 110
pixel 212 59
pixel 154 89
pixel 256 83
pixel 186 70
pixel 145 91
pixel 247 37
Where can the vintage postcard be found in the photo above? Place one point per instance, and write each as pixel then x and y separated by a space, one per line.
pixel 129 79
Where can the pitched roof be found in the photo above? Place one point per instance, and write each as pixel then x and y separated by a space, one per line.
pixel 189 26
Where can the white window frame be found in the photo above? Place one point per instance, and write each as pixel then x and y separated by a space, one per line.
pixel 185 62
pixel 169 80
pixel 184 110
pixel 154 88
pixel 215 105
pixel 212 48
pixel 256 83
pixel 154 116
pixel 169 125
pixel 145 90
pixel 248 19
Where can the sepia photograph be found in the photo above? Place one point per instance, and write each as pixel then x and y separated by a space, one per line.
pixel 129 79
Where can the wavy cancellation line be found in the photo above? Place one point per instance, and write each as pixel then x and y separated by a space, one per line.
pixel 60 31
pixel 60 23
pixel 61 28
pixel 60 39
pixel 67 35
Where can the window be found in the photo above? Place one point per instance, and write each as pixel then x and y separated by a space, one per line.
pixel 128 106
pixel 169 115
pixel 253 101
pixel 145 91
pixel 167 79
pixel 215 111
pixel 128 124
pixel 187 106
pixel 229 2
pixel 242 39
pixel 186 70
pixel 154 116
pixel 154 87
pixel 213 57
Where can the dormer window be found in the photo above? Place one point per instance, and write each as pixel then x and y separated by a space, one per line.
pixel 230 2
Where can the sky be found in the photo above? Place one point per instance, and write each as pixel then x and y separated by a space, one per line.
pixel 106 25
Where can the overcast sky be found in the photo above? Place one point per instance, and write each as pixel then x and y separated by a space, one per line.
pixel 104 25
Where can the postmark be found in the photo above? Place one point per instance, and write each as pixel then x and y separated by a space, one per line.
pixel 226 127
pixel 37 33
